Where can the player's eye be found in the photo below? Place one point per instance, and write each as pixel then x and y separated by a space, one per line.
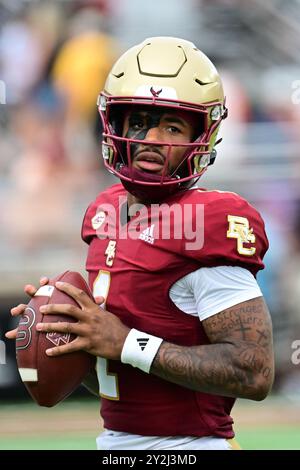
pixel 136 123
pixel 174 129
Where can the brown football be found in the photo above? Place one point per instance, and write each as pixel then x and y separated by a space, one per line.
pixel 50 380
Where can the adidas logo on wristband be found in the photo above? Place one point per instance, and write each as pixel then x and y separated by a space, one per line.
pixel 142 342
pixel 136 353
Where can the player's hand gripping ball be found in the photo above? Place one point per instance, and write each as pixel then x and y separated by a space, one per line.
pixel 50 380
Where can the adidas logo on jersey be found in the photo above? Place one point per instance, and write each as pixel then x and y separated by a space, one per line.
pixel 147 235
pixel 142 342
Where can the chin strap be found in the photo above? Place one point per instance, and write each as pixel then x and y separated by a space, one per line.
pixel 144 192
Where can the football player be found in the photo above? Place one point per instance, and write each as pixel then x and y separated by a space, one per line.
pixel 179 324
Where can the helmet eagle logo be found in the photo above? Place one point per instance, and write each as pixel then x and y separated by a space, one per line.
pixel 155 93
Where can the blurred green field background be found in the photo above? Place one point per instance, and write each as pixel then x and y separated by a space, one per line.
pixel 74 425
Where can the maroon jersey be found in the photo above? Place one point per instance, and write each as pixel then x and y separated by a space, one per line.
pixel 134 265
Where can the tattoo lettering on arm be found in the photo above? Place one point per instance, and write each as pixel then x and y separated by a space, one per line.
pixel 237 363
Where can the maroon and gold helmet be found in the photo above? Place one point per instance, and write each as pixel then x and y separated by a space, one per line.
pixel 166 72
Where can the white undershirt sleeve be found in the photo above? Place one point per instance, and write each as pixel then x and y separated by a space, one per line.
pixel 208 291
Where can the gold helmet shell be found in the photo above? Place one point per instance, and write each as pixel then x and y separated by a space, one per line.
pixel 166 71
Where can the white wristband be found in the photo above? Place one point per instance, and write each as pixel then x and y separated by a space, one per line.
pixel 139 349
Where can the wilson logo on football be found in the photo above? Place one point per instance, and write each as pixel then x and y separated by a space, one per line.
pixel 24 334
pixel 58 338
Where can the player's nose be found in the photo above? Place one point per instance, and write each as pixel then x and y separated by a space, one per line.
pixel 153 134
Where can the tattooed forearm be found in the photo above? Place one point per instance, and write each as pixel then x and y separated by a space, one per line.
pixel 238 363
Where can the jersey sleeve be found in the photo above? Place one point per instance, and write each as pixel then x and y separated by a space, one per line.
pixel 230 232
pixel 217 289
pixel 100 218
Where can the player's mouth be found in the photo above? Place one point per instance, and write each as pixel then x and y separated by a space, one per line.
pixel 149 161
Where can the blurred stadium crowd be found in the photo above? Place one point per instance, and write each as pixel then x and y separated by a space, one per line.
pixel 54 56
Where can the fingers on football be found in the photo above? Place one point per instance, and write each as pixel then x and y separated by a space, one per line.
pixel 66 309
pixel 12 334
pixel 18 310
pixel 75 345
pixel 30 289
pixel 58 327
pixel 99 300
pixel 78 294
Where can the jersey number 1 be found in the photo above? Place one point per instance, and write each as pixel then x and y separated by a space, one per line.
pixel 108 382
